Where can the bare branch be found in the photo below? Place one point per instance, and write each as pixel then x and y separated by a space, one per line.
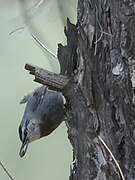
pixel 53 80
pixel 43 46
pixel 6 171
pixel 111 154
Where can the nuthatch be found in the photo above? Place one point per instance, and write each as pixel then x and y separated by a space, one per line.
pixel 44 112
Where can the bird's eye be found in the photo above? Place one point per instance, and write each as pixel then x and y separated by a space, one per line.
pixel 22 135
pixel 20 132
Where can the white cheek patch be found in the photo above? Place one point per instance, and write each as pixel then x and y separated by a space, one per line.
pixel 64 99
pixel 22 133
pixel 33 129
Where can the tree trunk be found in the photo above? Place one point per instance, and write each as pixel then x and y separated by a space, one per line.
pixel 99 58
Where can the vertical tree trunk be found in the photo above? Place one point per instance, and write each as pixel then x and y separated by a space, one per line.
pixel 99 58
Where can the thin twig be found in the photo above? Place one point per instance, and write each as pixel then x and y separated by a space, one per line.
pixel 97 40
pixel 16 30
pixel 114 159
pixel 6 171
pixel 43 46
pixel 106 33
pixel 101 29
pixel 28 15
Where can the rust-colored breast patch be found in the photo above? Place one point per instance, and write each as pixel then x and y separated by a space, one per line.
pixel 47 126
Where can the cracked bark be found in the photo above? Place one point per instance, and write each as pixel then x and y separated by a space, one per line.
pixel 99 61
pixel 104 105
pixel 102 99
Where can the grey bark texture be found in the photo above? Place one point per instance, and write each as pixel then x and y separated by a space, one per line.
pixel 100 60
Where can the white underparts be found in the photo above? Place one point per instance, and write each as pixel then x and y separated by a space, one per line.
pixel 64 99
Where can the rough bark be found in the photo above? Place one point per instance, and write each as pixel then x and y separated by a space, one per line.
pixel 101 50
pixel 99 61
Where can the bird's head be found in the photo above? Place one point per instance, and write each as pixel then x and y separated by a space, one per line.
pixel 28 131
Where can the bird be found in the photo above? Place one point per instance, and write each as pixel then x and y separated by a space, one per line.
pixel 44 112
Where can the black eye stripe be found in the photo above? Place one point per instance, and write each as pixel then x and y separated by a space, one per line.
pixel 20 132
pixel 23 135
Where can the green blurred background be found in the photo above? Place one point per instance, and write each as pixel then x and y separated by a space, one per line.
pixel 48 158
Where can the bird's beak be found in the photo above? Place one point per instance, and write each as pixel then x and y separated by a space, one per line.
pixel 23 148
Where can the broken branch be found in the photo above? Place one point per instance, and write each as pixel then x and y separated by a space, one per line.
pixel 45 77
